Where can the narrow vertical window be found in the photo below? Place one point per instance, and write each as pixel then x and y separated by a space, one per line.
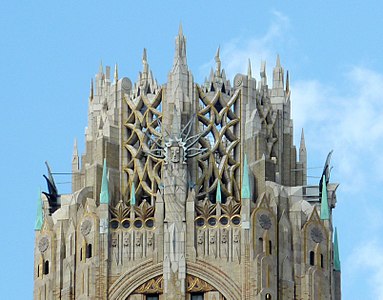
pixel 89 251
pixel 312 258
pixel 270 247
pixel 46 267
pixel 80 254
pixel 321 260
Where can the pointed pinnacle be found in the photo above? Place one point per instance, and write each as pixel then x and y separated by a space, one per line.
pixel 287 82
pixel 180 32
pixel 40 214
pixel 104 194
pixel 116 72
pixel 144 56
pixel 245 190
pixel 218 62
pixel 75 149
pixel 91 89
pixel 336 252
pixel 263 69
pixel 100 68
pixel 249 69
pixel 217 53
pixel 303 144
pixel 278 63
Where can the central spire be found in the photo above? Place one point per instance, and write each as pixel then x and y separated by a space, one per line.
pixel 180 53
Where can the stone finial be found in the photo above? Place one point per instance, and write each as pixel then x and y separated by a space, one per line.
pixel 101 68
pixel 40 215
pixel 104 195
pixel 180 53
pixel 324 209
pixel 302 146
pixel 336 252
pixel 218 63
pixel 115 73
pixel 75 148
pixel 91 90
pixel 180 31
pixel 245 194
pixel 278 75
pixel 263 73
pixel 145 66
pixel 249 75
pixel 278 62
pixel 287 82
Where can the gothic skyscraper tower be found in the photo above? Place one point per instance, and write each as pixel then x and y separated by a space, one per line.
pixel 188 191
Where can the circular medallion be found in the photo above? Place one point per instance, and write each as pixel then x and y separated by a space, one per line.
pixel 126 84
pixel 316 235
pixel 43 244
pixel 264 221
pixel 86 226
pixel 238 80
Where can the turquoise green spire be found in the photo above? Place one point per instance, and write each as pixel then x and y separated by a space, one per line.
pixel 336 252
pixel 245 180
pixel 218 196
pixel 104 195
pixel 40 216
pixel 324 211
pixel 133 195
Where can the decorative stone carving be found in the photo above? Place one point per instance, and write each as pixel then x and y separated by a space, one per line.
pixel 126 246
pixel 86 227
pixel 43 244
pixel 264 221
pixel 201 243
pixel 316 235
pixel 238 80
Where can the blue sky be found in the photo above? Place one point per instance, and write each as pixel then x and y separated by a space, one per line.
pixel 49 50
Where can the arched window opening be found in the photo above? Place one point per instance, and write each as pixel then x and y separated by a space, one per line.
pixel 321 260
pixel 312 258
pixel 260 244
pixel 89 251
pixel 46 267
pixel 270 247
pixel 267 296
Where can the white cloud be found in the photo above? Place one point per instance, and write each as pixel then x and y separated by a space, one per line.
pixel 348 121
pixel 236 53
pixel 369 257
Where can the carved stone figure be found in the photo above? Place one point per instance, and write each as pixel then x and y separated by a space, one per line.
pixel 126 246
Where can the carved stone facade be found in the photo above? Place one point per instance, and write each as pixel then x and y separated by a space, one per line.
pixel 188 191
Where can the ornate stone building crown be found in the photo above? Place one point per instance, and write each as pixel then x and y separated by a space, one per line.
pixel 188 191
